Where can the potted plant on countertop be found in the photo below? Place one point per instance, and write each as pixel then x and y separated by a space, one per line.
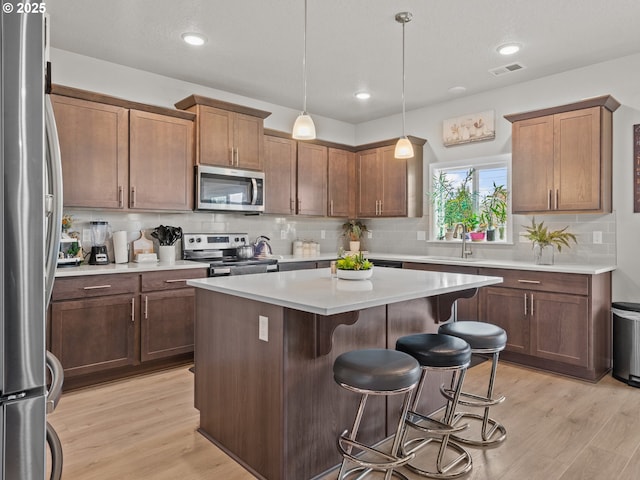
pixel 544 241
pixel 353 230
pixel 354 267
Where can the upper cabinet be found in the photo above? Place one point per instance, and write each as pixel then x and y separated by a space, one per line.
pixel 562 156
pixel 312 179
pixel 122 155
pixel 227 135
pixel 388 186
pixel 280 175
pixel 341 179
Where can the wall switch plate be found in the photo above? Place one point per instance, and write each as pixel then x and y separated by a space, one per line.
pixel 597 237
pixel 369 234
pixel 263 330
pixel 86 237
pixel 323 234
pixel 283 234
pixel 421 235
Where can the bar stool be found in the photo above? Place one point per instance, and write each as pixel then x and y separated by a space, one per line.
pixel 484 338
pixel 441 353
pixel 374 372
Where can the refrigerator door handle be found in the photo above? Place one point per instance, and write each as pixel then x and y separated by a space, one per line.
pixel 57 378
pixel 55 446
pixel 54 204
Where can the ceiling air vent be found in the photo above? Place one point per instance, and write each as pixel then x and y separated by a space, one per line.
pixel 512 67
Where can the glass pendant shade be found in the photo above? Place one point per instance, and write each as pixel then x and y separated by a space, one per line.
pixel 304 128
pixel 404 149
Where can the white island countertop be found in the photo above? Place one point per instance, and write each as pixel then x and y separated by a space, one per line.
pixel 316 291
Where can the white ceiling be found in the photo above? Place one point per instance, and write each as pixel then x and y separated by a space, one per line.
pixel 255 47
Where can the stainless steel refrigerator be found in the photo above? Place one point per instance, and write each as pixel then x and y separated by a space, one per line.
pixel 30 221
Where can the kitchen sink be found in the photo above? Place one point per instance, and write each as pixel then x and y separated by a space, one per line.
pixel 451 259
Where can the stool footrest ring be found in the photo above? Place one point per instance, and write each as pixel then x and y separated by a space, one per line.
pixel 345 445
pixel 444 472
pixel 487 440
pixel 431 425
pixel 471 399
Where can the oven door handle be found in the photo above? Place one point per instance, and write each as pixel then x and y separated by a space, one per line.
pixel 254 191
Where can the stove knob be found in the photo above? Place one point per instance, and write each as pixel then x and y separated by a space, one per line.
pixel 191 240
pixel 198 239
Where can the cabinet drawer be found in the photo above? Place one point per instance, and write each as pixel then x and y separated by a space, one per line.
pixel 94 286
pixel 170 279
pixel 542 281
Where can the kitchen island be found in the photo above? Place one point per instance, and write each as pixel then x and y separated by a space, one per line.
pixel 264 350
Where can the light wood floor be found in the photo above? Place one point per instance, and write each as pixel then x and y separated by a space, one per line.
pixel 558 428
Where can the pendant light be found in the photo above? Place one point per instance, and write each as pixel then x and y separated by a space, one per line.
pixel 303 128
pixel 404 149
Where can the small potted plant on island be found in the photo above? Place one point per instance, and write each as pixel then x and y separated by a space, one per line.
pixel 544 241
pixel 354 267
pixel 353 230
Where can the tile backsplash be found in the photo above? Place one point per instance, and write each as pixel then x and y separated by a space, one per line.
pixel 401 235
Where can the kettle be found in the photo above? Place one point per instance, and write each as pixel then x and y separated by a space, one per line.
pixel 261 247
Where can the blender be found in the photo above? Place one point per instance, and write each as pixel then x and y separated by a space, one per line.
pixel 99 231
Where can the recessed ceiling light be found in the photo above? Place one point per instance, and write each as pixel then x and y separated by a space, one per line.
pixel 363 95
pixel 194 39
pixel 457 90
pixel 508 49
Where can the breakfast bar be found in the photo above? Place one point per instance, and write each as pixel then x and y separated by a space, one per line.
pixel 264 349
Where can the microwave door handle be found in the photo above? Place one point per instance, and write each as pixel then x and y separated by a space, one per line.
pixel 254 192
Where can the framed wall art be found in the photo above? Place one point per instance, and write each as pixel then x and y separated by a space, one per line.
pixel 475 127
pixel 636 168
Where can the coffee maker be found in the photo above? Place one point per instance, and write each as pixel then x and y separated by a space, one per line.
pixel 99 232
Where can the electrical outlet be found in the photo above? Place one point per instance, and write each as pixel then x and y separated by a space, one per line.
pixel 323 234
pixel 369 234
pixel 421 235
pixel 597 237
pixel 283 234
pixel 86 237
pixel 263 329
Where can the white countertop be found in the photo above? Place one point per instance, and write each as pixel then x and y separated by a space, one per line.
pixel 126 268
pixel 315 291
pixel 584 269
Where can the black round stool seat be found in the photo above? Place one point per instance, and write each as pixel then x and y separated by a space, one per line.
pixel 435 349
pixel 478 335
pixel 377 370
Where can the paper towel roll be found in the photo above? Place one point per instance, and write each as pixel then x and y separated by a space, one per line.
pixel 120 246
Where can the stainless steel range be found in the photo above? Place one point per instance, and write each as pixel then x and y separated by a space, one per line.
pixel 219 250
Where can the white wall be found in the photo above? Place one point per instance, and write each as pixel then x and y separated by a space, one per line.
pixel 621 229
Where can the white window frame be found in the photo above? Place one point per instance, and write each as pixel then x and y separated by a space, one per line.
pixel 484 162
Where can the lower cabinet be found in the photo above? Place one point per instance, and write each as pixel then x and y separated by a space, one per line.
pixel 90 335
pixel 555 321
pixel 107 326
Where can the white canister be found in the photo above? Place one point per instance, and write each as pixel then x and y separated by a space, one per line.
pixel 120 247
pixel 167 253
pixel 297 248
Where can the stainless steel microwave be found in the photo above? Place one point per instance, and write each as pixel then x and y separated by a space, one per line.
pixel 228 189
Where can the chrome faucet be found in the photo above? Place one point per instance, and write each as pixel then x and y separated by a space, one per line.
pixel 465 252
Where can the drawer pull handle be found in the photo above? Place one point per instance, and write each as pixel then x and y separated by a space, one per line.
pixel 525 304
pixel 535 282
pixel 96 287
pixel 532 304
pixel 176 280
pixel 133 309
pixel 146 307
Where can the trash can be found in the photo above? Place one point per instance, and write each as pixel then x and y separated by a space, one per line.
pixel 626 342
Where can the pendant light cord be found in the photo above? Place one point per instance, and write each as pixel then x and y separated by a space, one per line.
pixel 304 61
pixel 403 80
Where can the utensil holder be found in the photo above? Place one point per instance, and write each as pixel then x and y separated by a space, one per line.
pixel 167 253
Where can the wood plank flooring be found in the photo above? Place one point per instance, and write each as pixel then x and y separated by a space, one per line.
pixel 558 429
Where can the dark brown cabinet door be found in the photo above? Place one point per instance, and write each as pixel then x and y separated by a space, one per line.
pixel 559 327
pixel 369 172
pixel 508 308
pixel 394 184
pixel 312 179
pixel 94 146
pixel 532 165
pixel 161 162
pixel 577 160
pixel 215 136
pixel 248 141
pixel 95 334
pixel 341 183
pixel 280 175
pixel 167 323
